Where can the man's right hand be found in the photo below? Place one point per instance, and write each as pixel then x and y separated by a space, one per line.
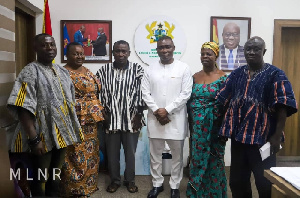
pixel 38 149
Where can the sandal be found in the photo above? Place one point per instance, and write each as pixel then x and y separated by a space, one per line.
pixel 113 187
pixel 131 187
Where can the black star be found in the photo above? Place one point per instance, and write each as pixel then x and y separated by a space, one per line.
pixel 160 25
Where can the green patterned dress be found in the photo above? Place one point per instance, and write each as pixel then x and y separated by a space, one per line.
pixel 207 170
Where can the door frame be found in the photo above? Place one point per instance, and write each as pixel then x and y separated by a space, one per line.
pixel 279 24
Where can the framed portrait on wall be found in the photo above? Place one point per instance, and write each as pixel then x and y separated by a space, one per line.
pixel 231 33
pixel 93 35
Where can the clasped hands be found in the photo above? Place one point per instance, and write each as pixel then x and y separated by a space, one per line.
pixel 161 115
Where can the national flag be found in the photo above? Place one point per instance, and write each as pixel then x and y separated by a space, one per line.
pixel 66 39
pixel 47 19
pixel 215 31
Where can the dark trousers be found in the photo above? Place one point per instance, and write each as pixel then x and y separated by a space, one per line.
pixel 52 160
pixel 102 146
pixel 244 160
pixel 113 146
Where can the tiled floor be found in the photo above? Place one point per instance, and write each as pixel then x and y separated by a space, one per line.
pixel 145 185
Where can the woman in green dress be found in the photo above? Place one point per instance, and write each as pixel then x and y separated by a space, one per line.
pixel 207 171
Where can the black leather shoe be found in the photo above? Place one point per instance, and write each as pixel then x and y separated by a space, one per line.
pixel 175 193
pixel 155 191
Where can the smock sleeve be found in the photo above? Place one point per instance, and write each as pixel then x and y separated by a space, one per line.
pixel 224 95
pixel 282 93
pixel 24 92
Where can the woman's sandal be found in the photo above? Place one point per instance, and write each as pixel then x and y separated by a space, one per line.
pixel 131 187
pixel 113 187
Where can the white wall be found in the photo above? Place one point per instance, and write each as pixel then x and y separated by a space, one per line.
pixel 192 15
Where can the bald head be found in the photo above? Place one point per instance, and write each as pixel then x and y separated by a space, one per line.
pixel 231 26
pixel 257 39
pixel 254 50
pixel 101 30
pixel 82 29
pixel 231 35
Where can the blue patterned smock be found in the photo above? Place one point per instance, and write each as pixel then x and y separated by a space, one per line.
pixel 250 103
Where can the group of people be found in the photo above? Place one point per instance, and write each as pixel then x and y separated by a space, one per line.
pixel 99 45
pixel 58 109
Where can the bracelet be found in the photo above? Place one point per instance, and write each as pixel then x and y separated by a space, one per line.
pixel 34 141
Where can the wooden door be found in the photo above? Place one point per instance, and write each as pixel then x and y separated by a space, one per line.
pixel 25 32
pixel 288 60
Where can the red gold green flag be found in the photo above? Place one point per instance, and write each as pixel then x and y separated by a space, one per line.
pixel 215 31
pixel 47 19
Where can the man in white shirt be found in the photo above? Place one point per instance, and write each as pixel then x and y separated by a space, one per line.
pixel 166 87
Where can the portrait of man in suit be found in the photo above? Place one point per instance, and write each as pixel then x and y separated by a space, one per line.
pixel 231 52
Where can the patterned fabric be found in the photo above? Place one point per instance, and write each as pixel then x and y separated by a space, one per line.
pixel 207 171
pixel 80 171
pixel 121 94
pixel 48 93
pixel 88 106
pixel 250 117
pixel 239 59
pixel 213 46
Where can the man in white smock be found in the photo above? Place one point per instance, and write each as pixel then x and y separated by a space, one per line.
pixel 166 87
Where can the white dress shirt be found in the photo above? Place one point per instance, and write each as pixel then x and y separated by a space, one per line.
pixel 169 87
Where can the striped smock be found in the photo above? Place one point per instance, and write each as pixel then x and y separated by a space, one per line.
pixel 250 115
pixel 48 93
pixel 121 94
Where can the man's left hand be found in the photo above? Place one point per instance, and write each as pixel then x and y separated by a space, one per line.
pixel 275 143
pixel 281 114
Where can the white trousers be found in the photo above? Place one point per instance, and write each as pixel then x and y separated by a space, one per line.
pixel 156 148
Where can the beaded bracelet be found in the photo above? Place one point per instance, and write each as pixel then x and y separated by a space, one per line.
pixel 34 141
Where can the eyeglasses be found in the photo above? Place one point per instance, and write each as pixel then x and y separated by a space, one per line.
pixel 228 34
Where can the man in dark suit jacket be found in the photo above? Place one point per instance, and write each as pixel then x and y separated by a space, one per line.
pixel 78 36
pixel 100 44
pixel 231 53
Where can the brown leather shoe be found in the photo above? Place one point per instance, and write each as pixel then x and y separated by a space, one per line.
pixel 131 187
pixel 113 187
